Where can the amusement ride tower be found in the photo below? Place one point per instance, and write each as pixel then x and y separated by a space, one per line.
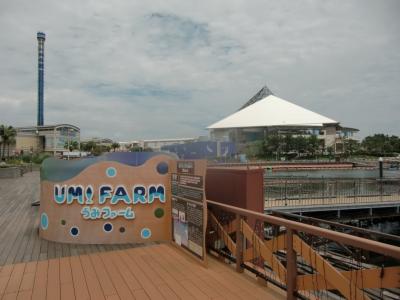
pixel 41 37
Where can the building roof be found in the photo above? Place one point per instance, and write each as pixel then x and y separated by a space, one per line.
pixel 169 140
pixel 98 140
pixel 46 127
pixel 272 111
pixel 261 94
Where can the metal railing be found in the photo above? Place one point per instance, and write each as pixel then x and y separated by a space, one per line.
pixel 307 261
pixel 335 226
pixel 281 192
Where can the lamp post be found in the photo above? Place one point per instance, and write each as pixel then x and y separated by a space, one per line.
pixel 68 141
pixel 37 140
pixel 31 152
pixel 381 177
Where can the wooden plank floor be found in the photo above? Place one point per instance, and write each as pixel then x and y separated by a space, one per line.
pixel 19 221
pixel 151 272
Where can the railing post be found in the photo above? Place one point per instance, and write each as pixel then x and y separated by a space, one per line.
pixel 286 192
pixel 239 244
pixel 337 196
pixel 291 266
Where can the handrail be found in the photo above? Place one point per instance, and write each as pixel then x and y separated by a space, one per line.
pixel 338 225
pixel 343 238
pixel 295 179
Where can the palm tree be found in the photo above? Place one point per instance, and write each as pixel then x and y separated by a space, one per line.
pixel 1 141
pixel 72 145
pixel 11 141
pixel 115 146
pixel 7 134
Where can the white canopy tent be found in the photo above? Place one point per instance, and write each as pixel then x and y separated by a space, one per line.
pixel 272 111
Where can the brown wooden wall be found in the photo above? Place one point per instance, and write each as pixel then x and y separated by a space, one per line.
pixel 240 187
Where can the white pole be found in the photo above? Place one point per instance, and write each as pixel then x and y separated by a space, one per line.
pixel 68 141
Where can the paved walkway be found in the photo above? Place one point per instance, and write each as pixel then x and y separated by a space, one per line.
pixel 19 221
pixel 152 272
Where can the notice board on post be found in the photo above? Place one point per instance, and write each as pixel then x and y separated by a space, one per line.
pixel 189 207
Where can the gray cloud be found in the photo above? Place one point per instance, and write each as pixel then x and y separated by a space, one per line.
pixel 129 69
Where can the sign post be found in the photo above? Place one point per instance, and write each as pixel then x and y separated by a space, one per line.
pixel 189 207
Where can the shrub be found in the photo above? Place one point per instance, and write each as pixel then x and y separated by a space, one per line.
pixel 37 158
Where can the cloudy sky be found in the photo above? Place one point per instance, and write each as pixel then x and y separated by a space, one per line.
pixel 161 69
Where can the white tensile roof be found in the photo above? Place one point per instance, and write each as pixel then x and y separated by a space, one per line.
pixel 272 111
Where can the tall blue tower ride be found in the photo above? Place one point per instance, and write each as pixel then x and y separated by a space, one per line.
pixel 41 37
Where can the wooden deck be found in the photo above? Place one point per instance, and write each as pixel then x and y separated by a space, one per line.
pixel 32 268
pixel 152 272
pixel 19 221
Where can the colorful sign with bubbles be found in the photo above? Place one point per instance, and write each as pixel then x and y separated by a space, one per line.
pixel 111 199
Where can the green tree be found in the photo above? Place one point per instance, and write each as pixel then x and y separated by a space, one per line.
pixel 72 145
pixel 330 151
pixel 273 144
pixel 351 147
pixel 88 146
pixel 395 142
pixel 115 146
pixel 289 143
pixel 313 144
pixel 380 144
pixel 300 144
pixel 11 141
pixel 7 134
pixel 94 148
pixel 96 151
pixel 135 148
pixel 254 149
pixel 276 144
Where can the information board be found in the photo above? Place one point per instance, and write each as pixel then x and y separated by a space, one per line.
pixel 189 208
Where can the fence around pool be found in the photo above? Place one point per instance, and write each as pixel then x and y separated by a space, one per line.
pixel 280 192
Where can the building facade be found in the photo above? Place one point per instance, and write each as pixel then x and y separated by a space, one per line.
pixel 266 114
pixel 47 138
pixel 157 144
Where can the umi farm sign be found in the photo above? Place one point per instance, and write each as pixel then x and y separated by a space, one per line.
pixel 108 197
pixel 116 198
